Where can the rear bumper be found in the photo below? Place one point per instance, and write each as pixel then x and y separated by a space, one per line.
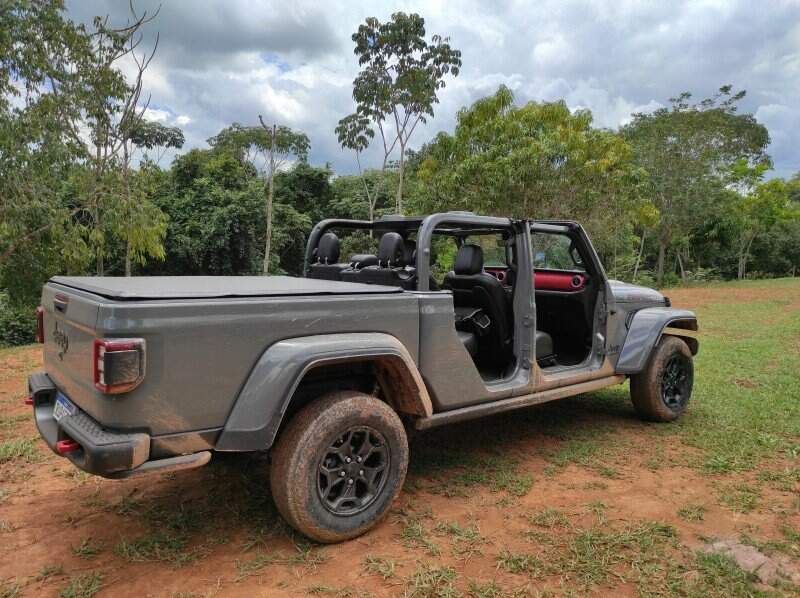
pixel 102 452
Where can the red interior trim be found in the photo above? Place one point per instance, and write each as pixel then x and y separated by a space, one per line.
pixel 558 281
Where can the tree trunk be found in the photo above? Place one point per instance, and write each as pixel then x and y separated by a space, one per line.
pixel 400 184
pixel 639 256
pixel 97 211
pixel 270 194
pixel 662 254
pixel 100 264
pixel 743 254
pixel 680 265
pixel 125 174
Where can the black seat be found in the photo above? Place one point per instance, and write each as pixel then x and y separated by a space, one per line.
pixel 544 349
pixel 357 263
pixel 391 268
pixel 472 287
pixel 326 258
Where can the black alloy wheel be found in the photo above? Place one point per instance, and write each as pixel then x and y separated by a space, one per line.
pixel 352 472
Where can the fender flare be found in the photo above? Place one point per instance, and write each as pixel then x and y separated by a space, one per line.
pixel 261 404
pixel 646 329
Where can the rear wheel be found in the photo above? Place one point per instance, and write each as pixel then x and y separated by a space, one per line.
pixel 338 466
pixel 662 390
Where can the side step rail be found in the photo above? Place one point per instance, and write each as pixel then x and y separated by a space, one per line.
pixel 166 465
pixel 503 405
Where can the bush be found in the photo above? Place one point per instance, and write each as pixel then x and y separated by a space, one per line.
pixel 17 324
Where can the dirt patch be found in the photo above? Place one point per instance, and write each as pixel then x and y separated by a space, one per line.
pixel 726 294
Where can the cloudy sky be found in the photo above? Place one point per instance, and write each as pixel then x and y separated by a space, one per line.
pixel 228 61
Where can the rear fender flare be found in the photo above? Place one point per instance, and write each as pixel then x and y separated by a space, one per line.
pixel 261 404
pixel 646 329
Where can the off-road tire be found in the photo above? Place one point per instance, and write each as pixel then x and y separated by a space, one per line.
pixel 304 443
pixel 648 388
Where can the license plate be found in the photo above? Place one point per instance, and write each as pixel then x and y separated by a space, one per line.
pixel 64 407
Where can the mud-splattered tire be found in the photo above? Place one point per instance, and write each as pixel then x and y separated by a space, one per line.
pixel 338 466
pixel 662 390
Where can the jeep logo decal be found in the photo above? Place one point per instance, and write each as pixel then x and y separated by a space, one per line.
pixel 61 339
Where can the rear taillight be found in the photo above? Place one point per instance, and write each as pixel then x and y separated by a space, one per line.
pixel 118 364
pixel 40 324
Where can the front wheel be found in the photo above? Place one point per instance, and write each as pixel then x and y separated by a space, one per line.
pixel 661 391
pixel 338 466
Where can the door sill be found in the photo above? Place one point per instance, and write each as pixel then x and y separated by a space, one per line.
pixel 511 404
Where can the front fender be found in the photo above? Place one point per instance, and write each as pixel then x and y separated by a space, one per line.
pixel 646 329
pixel 263 400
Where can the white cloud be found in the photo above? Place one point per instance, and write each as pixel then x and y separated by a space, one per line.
pixel 293 62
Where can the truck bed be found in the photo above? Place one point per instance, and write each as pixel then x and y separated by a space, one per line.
pixel 121 288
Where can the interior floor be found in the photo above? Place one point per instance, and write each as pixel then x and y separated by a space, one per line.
pixel 563 317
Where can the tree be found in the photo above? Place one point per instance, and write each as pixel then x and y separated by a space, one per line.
pixel 214 204
pixel 688 151
pixel 38 45
pixel 140 224
pixel 398 84
pixel 757 210
pixel 268 148
pixel 538 160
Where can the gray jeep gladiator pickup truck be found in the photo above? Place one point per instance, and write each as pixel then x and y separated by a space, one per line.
pixel 451 317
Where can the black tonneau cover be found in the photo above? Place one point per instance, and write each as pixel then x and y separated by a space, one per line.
pixel 207 287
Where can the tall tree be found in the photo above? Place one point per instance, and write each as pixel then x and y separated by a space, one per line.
pixel 268 148
pixel 397 86
pixel 688 150
pixel 39 46
pixel 759 206
pixel 537 160
pixel 141 224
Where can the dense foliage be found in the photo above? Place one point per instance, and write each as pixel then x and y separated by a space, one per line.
pixel 680 194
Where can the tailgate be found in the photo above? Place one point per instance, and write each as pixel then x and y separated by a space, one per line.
pixel 70 317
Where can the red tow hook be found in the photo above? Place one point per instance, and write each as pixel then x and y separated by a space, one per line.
pixel 28 400
pixel 67 446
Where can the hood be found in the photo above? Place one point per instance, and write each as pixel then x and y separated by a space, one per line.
pixel 630 293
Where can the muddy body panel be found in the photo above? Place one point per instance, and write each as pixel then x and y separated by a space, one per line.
pixel 200 352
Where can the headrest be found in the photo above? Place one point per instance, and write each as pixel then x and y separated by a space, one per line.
pixel 362 260
pixel 328 249
pixel 392 250
pixel 469 260
pixel 411 251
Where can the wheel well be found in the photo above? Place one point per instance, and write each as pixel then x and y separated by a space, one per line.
pixel 686 331
pixel 385 377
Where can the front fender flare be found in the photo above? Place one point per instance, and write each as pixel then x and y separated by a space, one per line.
pixel 646 329
pixel 259 409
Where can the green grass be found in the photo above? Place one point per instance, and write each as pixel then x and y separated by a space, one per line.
pixel 431 581
pixel 467 540
pixel 305 555
pixel 692 512
pixel 415 535
pixel 596 555
pixel 20 450
pixel 519 562
pixel 740 497
pixel 549 518
pixel 11 422
pixel 718 576
pixel 88 549
pixel 157 546
pixel 376 565
pixel 746 404
pixel 83 586
pixel 48 571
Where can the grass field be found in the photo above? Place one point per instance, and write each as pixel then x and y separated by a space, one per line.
pixel 572 498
